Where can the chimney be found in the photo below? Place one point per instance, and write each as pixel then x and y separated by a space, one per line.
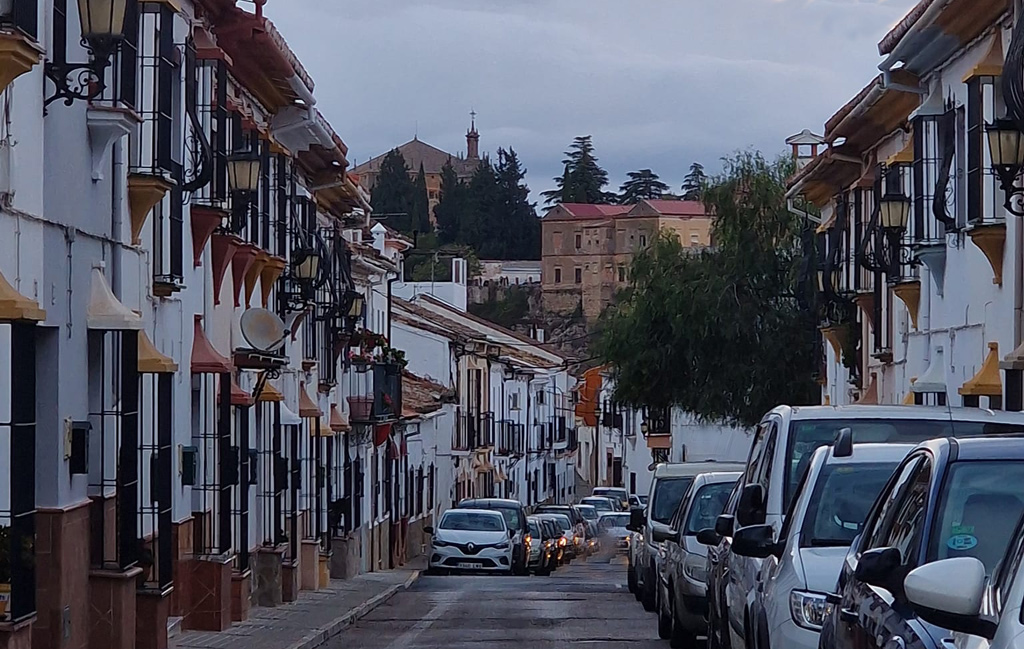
pixel 472 140
pixel 805 147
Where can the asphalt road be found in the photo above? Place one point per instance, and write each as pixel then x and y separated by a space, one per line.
pixel 585 604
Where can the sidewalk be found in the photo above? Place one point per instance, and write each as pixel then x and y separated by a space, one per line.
pixel 312 620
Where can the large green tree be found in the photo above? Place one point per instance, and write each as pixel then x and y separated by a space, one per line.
pixel 515 228
pixel 641 185
pixel 720 332
pixel 420 203
pixel 693 183
pixel 451 205
pixel 394 193
pixel 584 180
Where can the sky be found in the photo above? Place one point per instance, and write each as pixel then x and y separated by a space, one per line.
pixel 657 83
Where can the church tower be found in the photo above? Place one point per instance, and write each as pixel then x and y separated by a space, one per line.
pixel 472 140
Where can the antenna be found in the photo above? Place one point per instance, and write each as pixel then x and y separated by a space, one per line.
pixel 263 330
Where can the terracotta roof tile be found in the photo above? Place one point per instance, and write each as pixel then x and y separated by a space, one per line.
pixel 421 395
pixel 896 34
pixel 678 208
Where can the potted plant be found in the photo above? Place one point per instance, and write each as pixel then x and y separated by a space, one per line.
pixel 5 569
pixel 360 407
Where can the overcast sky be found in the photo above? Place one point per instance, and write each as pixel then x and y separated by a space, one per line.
pixel 657 83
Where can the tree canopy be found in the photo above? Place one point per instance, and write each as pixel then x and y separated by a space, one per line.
pixel 583 180
pixel 398 198
pixel 643 184
pixel 693 183
pixel 719 332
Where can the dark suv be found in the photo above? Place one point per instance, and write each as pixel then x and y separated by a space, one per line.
pixel 949 499
pixel 515 518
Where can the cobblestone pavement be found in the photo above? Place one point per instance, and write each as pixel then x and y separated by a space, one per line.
pixel 585 604
pixel 308 622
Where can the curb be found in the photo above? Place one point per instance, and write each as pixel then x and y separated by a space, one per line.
pixel 322 635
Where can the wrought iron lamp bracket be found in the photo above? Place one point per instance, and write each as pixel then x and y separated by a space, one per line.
pixel 81 81
pixel 1008 183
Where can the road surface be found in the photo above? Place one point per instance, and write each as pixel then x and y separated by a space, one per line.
pixel 585 604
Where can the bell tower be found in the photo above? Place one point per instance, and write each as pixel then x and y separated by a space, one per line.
pixel 472 139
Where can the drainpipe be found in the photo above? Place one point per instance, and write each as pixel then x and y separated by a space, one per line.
pixel 307 97
pixel 116 220
pixel 900 50
pixel 391 301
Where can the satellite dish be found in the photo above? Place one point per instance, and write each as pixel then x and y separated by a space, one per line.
pixel 263 330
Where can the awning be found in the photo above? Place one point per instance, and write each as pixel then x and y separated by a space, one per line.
pixel 827 224
pixel 14 306
pixel 239 397
pixel 381 434
pixel 151 361
pixel 339 422
pixel 909 399
pixel 105 312
pixel 206 359
pixel 288 417
pixel 871 394
pixel 986 383
pixel 323 428
pixel 270 394
pixel 307 407
pixel 934 378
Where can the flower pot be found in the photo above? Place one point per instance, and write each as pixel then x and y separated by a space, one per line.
pixel 360 407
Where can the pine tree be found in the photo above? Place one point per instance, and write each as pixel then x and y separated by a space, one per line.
pixel 515 228
pixel 694 182
pixel 394 192
pixel 481 198
pixel 643 184
pixel 584 180
pixel 420 204
pixel 451 205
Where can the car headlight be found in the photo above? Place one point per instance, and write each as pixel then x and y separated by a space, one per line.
pixel 808 609
pixel 438 543
pixel 503 545
pixel 696 569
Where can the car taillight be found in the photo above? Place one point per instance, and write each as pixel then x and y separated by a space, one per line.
pixel 561 542
pixel 529 540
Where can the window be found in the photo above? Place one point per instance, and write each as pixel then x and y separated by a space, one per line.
pixel 694 239
pixel 888 521
pixel 622 273
pixel 707 505
pixel 558 276
pixel 579 275
pixel 513 401
pixel 643 240
pixel 841 500
pixel 579 241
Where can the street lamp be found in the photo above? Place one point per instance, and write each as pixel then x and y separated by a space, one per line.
pixel 894 211
pixel 356 304
pixel 305 265
pixel 243 180
pixel 102 27
pixel 1006 149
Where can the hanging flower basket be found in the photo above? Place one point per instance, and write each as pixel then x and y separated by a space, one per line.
pixel 360 407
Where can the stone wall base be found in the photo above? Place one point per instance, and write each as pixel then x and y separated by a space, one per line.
pixel 241 595
pixel 290 581
pixel 417 539
pixel 16 636
pixel 309 564
pixel 153 608
pixel 211 593
pixel 347 558
pixel 182 544
pixel 113 605
pixel 62 579
pixel 268 577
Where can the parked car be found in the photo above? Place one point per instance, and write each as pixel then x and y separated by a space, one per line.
pixel 668 486
pixel 613 533
pixel 617 495
pixel 574 516
pixel 566 531
pixel 783 445
pixel 682 595
pixel 471 539
pixel 539 546
pixel 553 534
pixel 802 566
pixel 719 543
pixel 950 499
pixel 515 518
pixel 601 504
pixel 589 512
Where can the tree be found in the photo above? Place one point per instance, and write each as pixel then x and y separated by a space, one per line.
pixel 694 182
pixel 394 193
pixel 450 206
pixel 584 180
pixel 719 332
pixel 515 228
pixel 643 184
pixel 420 203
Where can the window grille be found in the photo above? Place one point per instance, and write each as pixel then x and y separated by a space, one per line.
pixel 272 474
pixel 155 495
pixel 213 493
pixel 984 195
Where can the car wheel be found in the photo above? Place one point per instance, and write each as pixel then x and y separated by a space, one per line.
pixel 630 578
pixel 664 621
pixel 680 638
pixel 650 593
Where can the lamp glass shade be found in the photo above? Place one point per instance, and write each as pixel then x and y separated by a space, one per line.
pixel 102 18
pixel 894 211
pixel 821 281
pixel 1005 144
pixel 358 303
pixel 306 265
pixel 244 172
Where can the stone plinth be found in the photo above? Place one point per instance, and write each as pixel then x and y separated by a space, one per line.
pixel 241 595
pixel 211 593
pixel 62 578
pixel 309 564
pixel 346 557
pixel 113 613
pixel 268 577
pixel 16 636
pixel 153 608
pixel 290 581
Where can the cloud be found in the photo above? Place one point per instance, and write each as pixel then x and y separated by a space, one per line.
pixel 658 83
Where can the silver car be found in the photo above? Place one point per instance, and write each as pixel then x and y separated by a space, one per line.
pixel 470 539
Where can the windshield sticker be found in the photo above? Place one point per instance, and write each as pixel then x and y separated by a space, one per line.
pixel 962 529
pixel 961 542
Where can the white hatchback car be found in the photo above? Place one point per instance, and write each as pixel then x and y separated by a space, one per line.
pixel 832 501
pixel 471 539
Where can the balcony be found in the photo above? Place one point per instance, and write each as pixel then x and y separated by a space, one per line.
pixel 473 431
pixel 376 394
pixel 657 427
pixel 511 438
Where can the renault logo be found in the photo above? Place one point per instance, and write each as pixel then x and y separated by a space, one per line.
pixel 471 547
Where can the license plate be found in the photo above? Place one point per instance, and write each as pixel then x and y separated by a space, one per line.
pixel 466 565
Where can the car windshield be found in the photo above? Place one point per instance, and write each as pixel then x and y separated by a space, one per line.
pixel 588 512
pixel 643 499
pixel 600 504
pixel 842 496
pixel 562 521
pixel 667 494
pixel 609 521
pixel 534 529
pixel 471 522
pixel 806 436
pixel 707 506
pixel 979 510
pixel 616 494
pixel 509 513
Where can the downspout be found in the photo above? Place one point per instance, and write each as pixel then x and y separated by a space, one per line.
pixel 899 51
pixel 391 283
pixel 116 220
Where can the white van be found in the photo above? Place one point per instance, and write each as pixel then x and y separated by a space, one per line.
pixel 783 445
pixel 669 485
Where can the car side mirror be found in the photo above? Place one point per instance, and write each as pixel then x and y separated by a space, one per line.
pixel 949 594
pixel 725 524
pixel 662 535
pixel 751 507
pixel 709 537
pixel 637 519
pixel 511 534
pixel 428 529
pixel 757 541
pixel 878 567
